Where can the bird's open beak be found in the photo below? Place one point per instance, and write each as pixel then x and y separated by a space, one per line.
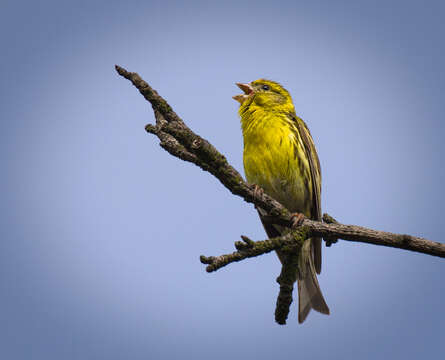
pixel 248 91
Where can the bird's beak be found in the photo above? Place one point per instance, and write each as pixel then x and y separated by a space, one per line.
pixel 248 91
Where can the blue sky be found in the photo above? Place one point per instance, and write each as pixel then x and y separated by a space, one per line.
pixel 102 229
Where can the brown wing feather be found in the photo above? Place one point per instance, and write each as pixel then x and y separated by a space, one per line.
pixel 314 164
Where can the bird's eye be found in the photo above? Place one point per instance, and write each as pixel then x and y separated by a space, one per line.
pixel 265 87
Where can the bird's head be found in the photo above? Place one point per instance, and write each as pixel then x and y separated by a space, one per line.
pixel 266 94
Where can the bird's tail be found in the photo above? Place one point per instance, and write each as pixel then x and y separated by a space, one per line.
pixel 309 293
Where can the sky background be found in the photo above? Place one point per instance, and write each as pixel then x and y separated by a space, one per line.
pixel 101 229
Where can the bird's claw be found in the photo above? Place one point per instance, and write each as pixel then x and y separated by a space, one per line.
pixel 297 219
pixel 257 191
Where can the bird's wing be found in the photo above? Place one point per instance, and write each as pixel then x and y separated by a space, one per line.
pixel 314 164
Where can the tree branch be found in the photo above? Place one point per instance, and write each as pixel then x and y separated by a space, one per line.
pixel 183 143
pixel 176 138
pixel 249 248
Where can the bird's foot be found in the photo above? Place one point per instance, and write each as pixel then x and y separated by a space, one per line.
pixel 297 219
pixel 257 191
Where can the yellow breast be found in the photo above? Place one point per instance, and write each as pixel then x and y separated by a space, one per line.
pixel 274 158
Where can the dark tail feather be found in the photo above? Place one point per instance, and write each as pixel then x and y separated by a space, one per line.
pixel 309 293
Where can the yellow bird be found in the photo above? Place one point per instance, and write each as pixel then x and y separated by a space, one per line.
pixel 280 157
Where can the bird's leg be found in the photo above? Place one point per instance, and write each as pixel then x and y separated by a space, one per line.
pixel 257 191
pixel 297 219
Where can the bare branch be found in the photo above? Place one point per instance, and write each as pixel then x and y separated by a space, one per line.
pixel 370 236
pixel 249 248
pixel 176 138
pixel 183 143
